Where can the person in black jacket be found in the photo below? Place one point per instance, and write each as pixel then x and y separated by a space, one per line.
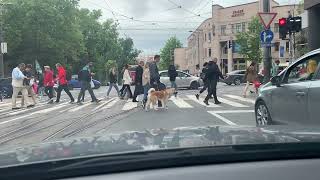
pixel 204 79
pixel 113 81
pixel 172 72
pixel 213 73
pixel 138 81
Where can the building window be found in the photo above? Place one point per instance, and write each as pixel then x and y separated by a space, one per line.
pixel 205 36
pixel 276 28
pixel 209 52
pixel 232 28
pixel 209 36
pixel 243 27
pixel 223 30
pixel 238 27
pixel 205 52
pixel 276 46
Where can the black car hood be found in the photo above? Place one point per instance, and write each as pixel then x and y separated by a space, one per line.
pixel 156 139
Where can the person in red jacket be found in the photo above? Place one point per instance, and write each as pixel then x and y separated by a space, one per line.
pixel 48 83
pixel 63 83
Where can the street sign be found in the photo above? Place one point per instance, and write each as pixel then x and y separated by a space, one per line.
pixel 4 48
pixel 282 49
pixel 266 36
pixel 267 18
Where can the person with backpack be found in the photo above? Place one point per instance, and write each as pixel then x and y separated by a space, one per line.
pixel 85 79
pixel 204 79
pixel 63 83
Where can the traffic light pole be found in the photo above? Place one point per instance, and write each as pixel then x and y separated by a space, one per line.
pixel 267 50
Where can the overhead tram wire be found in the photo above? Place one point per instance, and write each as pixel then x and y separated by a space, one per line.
pixel 187 10
pixel 204 6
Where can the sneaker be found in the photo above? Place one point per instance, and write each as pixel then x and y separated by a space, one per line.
pixel 135 100
pixel 71 102
pixel 50 102
pixel 15 108
pixel 206 102
pixel 175 94
pixel 197 96
pixel 96 101
pixel 217 102
pixel 79 103
pixel 56 102
pixel 30 106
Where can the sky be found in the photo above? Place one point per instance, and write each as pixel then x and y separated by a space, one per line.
pixel 151 22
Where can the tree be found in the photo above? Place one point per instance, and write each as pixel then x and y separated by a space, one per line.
pixel 249 41
pixel 167 52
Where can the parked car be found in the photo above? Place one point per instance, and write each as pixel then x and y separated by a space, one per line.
pixel 235 77
pixel 75 83
pixel 184 80
pixel 292 97
pixel 6 87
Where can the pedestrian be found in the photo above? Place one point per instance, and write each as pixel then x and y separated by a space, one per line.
pixel 28 83
pixel 85 80
pixel 48 83
pixel 146 82
pixel 138 81
pixel 204 79
pixel 251 76
pixel 213 73
pixel 275 68
pixel 172 72
pixel 126 82
pixel 17 86
pixel 113 81
pixel 154 75
pixel 62 83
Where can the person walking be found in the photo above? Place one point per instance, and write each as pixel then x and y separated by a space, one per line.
pixel 48 83
pixel 63 83
pixel 146 82
pixel 154 75
pixel 138 81
pixel 29 84
pixel 251 76
pixel 85 80
pixel 126 83
pixel 204 79
pixel 17 86
pixel 113 81
pixel 172 72
pixel 213 73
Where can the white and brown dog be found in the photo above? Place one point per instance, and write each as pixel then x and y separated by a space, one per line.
pixel 155 96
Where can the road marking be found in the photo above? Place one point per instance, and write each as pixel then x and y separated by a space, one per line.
pixel 180 102
pixel 200 101
pixel 222 118
pixel 241 98
pixel 233 111
pixel 24 110
pixel 80 107
pixel 103 104
pixel 111 104
pixel 231 103
pixel 129 105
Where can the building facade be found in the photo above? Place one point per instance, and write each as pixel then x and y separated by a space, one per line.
pixel 180 58
pixel 211 39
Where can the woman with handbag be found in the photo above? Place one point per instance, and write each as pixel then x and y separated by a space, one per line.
pixel 251 77
pixel 126 83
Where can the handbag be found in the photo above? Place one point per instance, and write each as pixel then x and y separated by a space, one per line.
pixel 91 84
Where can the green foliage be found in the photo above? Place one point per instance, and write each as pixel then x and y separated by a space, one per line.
pixel 167 52
pixel 249 41
pixel 52 31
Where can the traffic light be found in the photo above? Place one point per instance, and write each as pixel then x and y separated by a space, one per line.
pixel 230 44
pixel 294 24
pixel 283 28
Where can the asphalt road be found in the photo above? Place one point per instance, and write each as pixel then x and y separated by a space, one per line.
pixel 56 121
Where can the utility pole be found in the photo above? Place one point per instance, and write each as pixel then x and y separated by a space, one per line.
pixel 2 5
pixel 267 50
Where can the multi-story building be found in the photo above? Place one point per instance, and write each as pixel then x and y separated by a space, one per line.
pixel 210 39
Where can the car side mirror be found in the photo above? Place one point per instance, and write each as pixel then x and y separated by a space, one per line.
pixel 276 81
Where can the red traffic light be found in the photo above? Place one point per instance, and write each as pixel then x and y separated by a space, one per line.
pixel 282 21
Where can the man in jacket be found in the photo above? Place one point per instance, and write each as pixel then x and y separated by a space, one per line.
pixel 154 75
pixel 213 73
pixel 63 83
pixel 17 85
pixel 27 84
pixel 172 72
pixel 85 79
pixel 138 81
pixel 48 83
pixel 204 79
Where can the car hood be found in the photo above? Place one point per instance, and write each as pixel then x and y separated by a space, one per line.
pixel 156 139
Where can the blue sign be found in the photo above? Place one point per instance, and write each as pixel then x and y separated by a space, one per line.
pixel 266 36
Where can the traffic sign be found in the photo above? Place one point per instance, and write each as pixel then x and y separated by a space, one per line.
pixel 267 18
pixel 266 36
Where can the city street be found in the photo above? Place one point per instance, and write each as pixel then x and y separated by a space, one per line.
pixel 54 121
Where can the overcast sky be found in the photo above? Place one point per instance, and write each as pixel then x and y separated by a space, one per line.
pixel 154 21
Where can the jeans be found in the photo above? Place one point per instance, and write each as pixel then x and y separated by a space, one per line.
pixel 49 91
pixel 212 90
pixel 145 92
pixel 66 89
pixel 110 87
pixel 86 86
pixel 174 85
pixel 126 88
pixel 205 86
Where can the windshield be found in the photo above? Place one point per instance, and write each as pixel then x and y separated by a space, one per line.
pixel 93 77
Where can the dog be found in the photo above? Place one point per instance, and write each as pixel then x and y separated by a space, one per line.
pixel 162 96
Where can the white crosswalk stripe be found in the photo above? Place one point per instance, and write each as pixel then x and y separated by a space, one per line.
pixel 111 104
pixel 231 103
pixel 180 102
pixel 200 101
pixel 129 105
pixel 103 104
pixel 240 98
pixel 80 107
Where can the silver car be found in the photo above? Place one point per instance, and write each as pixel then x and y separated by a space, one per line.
pixel 183 80
pixel 292 97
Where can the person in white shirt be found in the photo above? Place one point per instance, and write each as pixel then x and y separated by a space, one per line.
pixel 126 83
pixel 17 85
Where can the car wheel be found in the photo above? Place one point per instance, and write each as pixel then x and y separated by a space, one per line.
pixel 194 85
pixel 262 113
pixel 237 81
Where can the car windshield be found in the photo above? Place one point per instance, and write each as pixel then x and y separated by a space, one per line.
pixel 93 77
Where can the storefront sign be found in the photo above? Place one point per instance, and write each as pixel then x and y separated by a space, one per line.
pixel 237 13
